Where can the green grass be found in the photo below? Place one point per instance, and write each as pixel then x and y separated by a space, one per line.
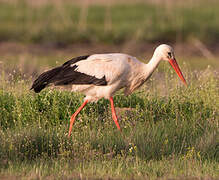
pixel 167 135
pixel 168 131
pixel 67 23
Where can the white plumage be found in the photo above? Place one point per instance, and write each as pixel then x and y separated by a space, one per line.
pixel 119 70
pixel 101 75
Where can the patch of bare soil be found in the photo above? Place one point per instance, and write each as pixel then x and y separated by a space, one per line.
pixel 141 50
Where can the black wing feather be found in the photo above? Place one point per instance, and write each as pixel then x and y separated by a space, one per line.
pixel 75 59
pixel 65 75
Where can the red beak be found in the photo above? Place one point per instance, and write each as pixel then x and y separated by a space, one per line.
pixel 175 66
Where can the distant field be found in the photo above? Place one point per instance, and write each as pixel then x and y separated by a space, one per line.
pixel 68 23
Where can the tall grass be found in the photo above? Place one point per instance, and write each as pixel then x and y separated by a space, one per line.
pixel 171 135
pixel 66 23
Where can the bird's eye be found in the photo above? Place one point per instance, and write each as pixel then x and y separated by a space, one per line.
pixel 169 54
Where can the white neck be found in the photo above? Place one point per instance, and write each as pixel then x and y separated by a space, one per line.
pixel 151 66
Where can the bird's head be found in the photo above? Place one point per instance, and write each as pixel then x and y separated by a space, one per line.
pixel 165 52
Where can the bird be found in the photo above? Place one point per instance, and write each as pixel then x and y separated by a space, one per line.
pixel 101 75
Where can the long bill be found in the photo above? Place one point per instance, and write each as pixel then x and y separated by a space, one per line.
pixel 175 66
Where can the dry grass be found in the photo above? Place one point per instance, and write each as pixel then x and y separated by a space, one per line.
pixel 103 2
pixel 66 24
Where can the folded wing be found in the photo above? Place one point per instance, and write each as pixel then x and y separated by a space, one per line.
pixel 65 75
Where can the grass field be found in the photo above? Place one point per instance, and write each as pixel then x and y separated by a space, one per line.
pixel 168 135
pixel 66 23
pixel 169 131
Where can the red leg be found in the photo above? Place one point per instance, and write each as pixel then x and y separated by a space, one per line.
pixel 114 113
pixel 74 116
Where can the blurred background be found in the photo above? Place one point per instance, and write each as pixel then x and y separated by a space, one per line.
pixel 35 35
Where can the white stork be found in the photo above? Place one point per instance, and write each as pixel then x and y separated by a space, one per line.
pixel 101 75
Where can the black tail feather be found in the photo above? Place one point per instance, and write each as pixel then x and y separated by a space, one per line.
pixel 44 79
pixel 65 75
